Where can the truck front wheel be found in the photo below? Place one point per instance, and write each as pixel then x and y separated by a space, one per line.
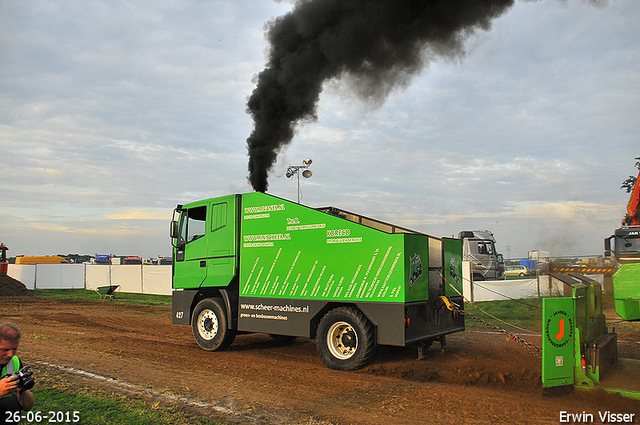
pixel 209 323
pixel 345 339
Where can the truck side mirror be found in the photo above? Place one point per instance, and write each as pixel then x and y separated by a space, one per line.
pixel 175 230
pixel 607 246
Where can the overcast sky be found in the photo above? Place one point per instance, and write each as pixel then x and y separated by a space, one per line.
pixel 113 112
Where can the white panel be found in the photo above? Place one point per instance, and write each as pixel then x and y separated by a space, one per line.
pixel 492 290
pixel 97 275
pixel 466 280
pixel 73 276
pixel 47 276
pixel 59 276
pixel 129 277
pixel 156 280
pixel 25 273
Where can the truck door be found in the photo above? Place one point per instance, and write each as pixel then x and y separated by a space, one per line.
pixel 480 254
pixel 191 249
pixel 206 246
pixel 221 262
pixel 486 256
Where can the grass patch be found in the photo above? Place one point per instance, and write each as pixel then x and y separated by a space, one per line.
pixel 525 314
pixel 96 406
pixel 121 297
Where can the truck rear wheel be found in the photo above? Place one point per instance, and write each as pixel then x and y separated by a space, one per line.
pixel 209 323
pixel 345 339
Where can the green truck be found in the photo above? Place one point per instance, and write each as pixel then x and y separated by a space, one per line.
pixel 578 349
pixel 254 262
pixel 626 251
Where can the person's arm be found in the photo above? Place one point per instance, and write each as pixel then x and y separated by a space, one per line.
pixel 26 399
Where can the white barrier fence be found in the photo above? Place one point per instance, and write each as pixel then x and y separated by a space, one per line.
pixel 495 290
pixel 156 280
pixel 138 279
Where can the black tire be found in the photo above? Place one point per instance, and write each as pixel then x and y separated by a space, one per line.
pixel 521 275
pixel 210 325
pixel 345 339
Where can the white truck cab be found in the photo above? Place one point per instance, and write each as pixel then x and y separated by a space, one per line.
pixel 479 249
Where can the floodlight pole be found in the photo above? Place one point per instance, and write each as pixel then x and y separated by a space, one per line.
pixel 298 173
pixel 295 169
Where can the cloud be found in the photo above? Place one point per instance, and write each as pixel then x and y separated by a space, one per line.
pixel 46 170
pixel 111 114
pixel 562 211
pixel 140 215
pixel 93 231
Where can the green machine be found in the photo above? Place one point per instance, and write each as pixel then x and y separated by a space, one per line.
pixel 626 279
pixel 624 244
pixel 578 351
pixel 257 263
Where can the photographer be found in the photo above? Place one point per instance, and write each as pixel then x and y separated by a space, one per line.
pixel 12 397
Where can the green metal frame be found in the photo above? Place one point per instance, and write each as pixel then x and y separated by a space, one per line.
pixel 569 325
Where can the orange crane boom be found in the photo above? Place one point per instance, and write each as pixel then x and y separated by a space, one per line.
pixel 633 207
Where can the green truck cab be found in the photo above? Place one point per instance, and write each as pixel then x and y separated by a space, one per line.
pixel 258 263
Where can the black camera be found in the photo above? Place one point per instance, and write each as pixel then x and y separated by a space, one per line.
pixel 25 378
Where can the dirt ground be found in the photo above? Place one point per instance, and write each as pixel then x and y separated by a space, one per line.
pixel 480 377
pixel 10 287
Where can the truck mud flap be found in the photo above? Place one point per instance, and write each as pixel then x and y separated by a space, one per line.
pixel 181 301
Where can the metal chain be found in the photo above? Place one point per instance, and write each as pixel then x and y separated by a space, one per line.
pixel 532 349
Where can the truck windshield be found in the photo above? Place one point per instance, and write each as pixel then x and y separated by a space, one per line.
pixel 627 247
pixel 485 248
pixel 192 225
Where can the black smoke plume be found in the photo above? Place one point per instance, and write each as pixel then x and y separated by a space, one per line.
pixel 379 43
